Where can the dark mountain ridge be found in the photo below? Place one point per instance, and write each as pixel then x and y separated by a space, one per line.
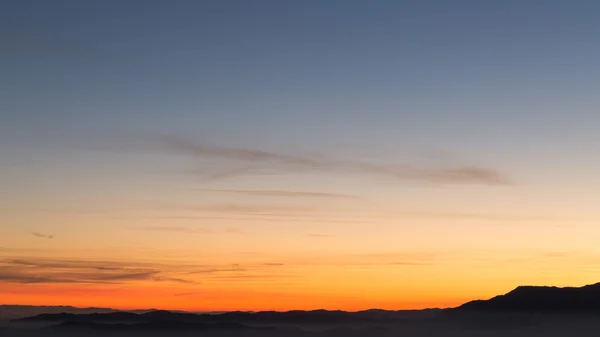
pixel 541 299
pixel 18 311
pixel 10 312
pixel 295 316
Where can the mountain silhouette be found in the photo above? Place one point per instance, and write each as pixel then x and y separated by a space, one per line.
pixel 116 316
pixel 19 311
pixel 296 316
pixel 541 299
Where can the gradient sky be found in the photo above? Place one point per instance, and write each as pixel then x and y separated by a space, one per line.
pixel 339 154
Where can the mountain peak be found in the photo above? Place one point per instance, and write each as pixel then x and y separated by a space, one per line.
pixel 541 298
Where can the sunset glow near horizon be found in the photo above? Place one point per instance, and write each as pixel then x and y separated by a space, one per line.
pixel 280 155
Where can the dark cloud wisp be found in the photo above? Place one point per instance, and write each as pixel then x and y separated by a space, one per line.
pixel 242 161
pixel 178 229
pixel 289 194
pixel 80 271
pixel 43 236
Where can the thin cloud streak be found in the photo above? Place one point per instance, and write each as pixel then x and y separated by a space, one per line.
pixel 178 229
pixel 257 209
pixel 75 264
pixel 261 160
pixel 271 217
pixel 185 294
pixel 174 279
pixel 233 268
pixel 315 235
pixel 24 276
pixel 291 194
pixel 274 212
pixel 82 271
pixel 43 236
pixel 471 216
pixel 17 277
pixel 184 146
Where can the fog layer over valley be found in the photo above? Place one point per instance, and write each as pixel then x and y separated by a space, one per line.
pixel 498 324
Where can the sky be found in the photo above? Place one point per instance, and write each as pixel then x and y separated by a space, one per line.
pixel 275 155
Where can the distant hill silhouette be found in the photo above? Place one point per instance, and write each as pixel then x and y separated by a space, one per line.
pixel 296 316
pixel 11 312
pixel 541 299
pixel 19 311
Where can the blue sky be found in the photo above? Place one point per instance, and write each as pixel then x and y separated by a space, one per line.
pixel 425 72
pixel 510 83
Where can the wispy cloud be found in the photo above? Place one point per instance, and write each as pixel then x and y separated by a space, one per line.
pixel 290 194
pixel 256 209
pixel 272 269
pixel 470 216
pixel 251 160
pixel 185 146
pixel 269 216
pixel 19 277
pixel 375 259
pixel 123 275
pixel 24 276
pixel 232 268
pixel 179 229
pixel 71 264
pixel 81 271
pixel 247 277
pixel 185 294
pixel 174 279
pixel 276 211
pixel 44 236
pixel 91 271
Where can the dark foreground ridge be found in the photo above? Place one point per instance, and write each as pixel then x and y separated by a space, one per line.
pixel 584 299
